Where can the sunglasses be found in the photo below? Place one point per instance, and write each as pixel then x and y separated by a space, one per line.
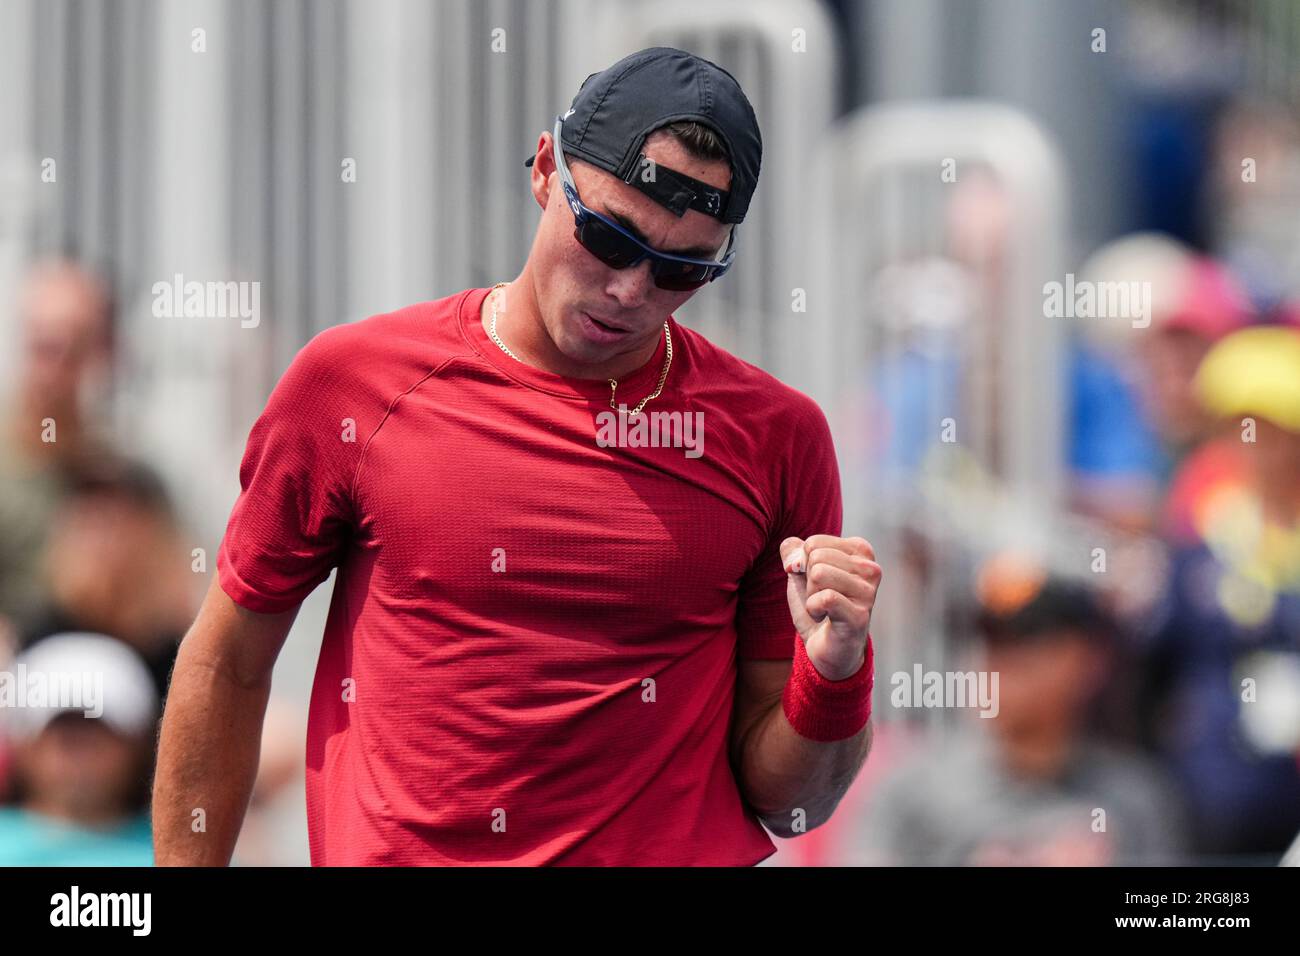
pixel 619 249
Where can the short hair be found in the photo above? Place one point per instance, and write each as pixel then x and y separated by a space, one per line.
pixel 120 479
pixel 702 142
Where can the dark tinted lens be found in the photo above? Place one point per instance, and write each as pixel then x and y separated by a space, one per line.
pixel 618 252
pixel 680 276
pixel 608 245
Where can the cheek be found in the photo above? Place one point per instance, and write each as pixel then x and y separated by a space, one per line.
pixel 564 255
pixel 672 301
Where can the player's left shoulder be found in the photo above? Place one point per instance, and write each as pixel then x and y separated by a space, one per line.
pixel 756 397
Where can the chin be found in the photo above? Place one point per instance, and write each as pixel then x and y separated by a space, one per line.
pixel 571 343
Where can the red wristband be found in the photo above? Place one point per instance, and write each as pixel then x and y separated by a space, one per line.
pixel 827 710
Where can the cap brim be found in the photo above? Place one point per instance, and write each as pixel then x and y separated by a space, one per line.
pixel 124 694
pixel 37 719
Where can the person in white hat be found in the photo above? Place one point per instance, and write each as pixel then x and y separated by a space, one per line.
pixel 79 712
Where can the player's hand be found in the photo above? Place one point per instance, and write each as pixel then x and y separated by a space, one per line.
pixel 831 584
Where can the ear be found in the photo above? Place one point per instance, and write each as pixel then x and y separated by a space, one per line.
pixel 543 169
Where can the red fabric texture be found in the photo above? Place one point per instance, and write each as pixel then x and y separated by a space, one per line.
pixel 531 649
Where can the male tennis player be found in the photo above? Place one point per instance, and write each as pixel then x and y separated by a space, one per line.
pixel 552 641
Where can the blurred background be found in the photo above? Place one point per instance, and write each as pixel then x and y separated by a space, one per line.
pixel 1094 494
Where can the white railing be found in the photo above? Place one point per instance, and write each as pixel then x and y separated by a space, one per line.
pixel 940 223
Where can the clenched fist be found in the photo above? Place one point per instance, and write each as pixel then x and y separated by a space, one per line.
pixel 831 585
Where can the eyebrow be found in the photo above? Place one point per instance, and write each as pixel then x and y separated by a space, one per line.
pixel 695 252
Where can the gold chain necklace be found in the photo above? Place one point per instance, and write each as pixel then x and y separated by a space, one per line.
pixel 613 385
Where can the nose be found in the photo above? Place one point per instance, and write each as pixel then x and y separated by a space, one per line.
pixel 630 286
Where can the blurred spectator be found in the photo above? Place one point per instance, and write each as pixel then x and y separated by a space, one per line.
pixel 1210 305
pixel 1257 163
pixel 925 307
pixel 1224 644
pixel 1132 414
pixel 81 758
pixel 115 564
pixel 1217 464
pixel 1135 417
pixel 47 435
pixel 1028 786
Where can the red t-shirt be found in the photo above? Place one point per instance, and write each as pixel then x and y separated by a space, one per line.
pixel 530 655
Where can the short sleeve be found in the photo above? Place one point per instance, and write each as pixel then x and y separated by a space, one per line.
pixel 808 490
pixel 294 512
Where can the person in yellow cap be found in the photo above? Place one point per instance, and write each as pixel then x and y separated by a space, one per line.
pixel 1226 636
pixel 1251 382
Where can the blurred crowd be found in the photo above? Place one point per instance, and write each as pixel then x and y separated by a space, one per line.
pixel 90 584
pixel 1150 709
pixel 97 588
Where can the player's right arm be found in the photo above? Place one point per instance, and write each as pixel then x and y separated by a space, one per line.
pixel 212 730
pixel 286 532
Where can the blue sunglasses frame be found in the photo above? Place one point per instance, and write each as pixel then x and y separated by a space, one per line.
pixel 661 263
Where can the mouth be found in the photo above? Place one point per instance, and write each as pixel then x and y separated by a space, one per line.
pixel 605 325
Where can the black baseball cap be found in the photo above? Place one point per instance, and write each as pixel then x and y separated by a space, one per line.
pixel 1018 599
pixel 616 109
